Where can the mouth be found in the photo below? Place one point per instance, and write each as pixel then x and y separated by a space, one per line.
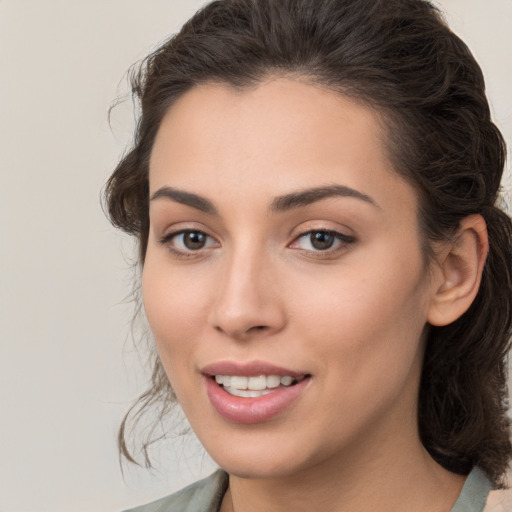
pixel 254 392
pixel 255 386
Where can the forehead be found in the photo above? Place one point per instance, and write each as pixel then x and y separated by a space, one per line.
pixel 282 133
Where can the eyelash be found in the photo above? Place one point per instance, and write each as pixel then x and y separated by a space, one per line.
pixel 168 239
pixel 340 239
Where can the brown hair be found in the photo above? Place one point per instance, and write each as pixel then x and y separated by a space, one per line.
pixel 401 58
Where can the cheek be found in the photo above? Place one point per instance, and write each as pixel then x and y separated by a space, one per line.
pixel 368 315
pixel 364 295
pixel 174 322
pixel 174 308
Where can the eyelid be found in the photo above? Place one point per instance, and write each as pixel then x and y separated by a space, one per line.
pixel 320 226
pixel 342 238
pixel 176 228
pixel 166 240
pixel 340 244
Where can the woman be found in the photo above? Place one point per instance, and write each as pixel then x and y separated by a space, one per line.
pixel 313 186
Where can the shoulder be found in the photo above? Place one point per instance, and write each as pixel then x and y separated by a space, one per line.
pixel 499 501
pixel 478 495
pixel 202 496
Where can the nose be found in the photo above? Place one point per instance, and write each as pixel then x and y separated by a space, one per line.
pixel 247 302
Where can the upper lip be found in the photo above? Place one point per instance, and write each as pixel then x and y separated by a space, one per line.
pixel 249 369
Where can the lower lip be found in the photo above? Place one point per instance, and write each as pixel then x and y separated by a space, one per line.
pixel 252 410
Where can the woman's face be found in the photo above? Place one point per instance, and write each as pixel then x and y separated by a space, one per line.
pixel 284 255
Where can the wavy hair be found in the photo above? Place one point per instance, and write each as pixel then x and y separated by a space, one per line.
pixel 399 57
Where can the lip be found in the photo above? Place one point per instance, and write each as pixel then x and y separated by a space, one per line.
pixel 251 369
pixel 252 410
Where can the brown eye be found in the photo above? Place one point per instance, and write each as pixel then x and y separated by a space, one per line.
pixel 322 240
pixel 188 241
pixel 194 240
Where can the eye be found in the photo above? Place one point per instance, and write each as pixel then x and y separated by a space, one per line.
pixel 321 240
pixel 186 241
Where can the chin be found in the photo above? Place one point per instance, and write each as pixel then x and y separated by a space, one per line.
pixel 259 468
pixel 261 455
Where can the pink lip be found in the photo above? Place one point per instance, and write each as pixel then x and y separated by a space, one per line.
pixel 252 369
pixel 251 410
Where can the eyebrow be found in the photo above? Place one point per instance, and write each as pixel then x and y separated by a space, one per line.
pixel 187 198
pixel 311 195
pixel 279 204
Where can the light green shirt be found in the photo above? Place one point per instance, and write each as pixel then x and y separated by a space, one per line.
pixel 206 495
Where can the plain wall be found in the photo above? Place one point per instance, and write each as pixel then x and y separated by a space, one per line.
pixel 67 367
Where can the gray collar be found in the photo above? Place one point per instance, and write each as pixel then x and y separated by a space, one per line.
pixel 474 493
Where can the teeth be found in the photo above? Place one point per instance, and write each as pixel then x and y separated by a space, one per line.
pixel 239 382
pixel 273 381
pixel 260 383
pixel 223 379
pixel 286 380
pixel 247 393
pixel 257 383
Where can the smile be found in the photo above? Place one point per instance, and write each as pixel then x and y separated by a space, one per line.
pixel 253 387
pixel 254 392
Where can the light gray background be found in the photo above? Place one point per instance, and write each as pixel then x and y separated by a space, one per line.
pixel 67 371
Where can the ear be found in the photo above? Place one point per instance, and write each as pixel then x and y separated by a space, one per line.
pixel 459 271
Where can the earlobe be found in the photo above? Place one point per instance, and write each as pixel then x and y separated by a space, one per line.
pixel 460 267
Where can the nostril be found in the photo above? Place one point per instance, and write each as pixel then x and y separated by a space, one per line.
pixel 253 328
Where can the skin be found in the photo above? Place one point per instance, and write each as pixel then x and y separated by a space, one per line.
pixel 352 316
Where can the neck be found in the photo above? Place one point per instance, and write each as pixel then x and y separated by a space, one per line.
pixel 397 478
